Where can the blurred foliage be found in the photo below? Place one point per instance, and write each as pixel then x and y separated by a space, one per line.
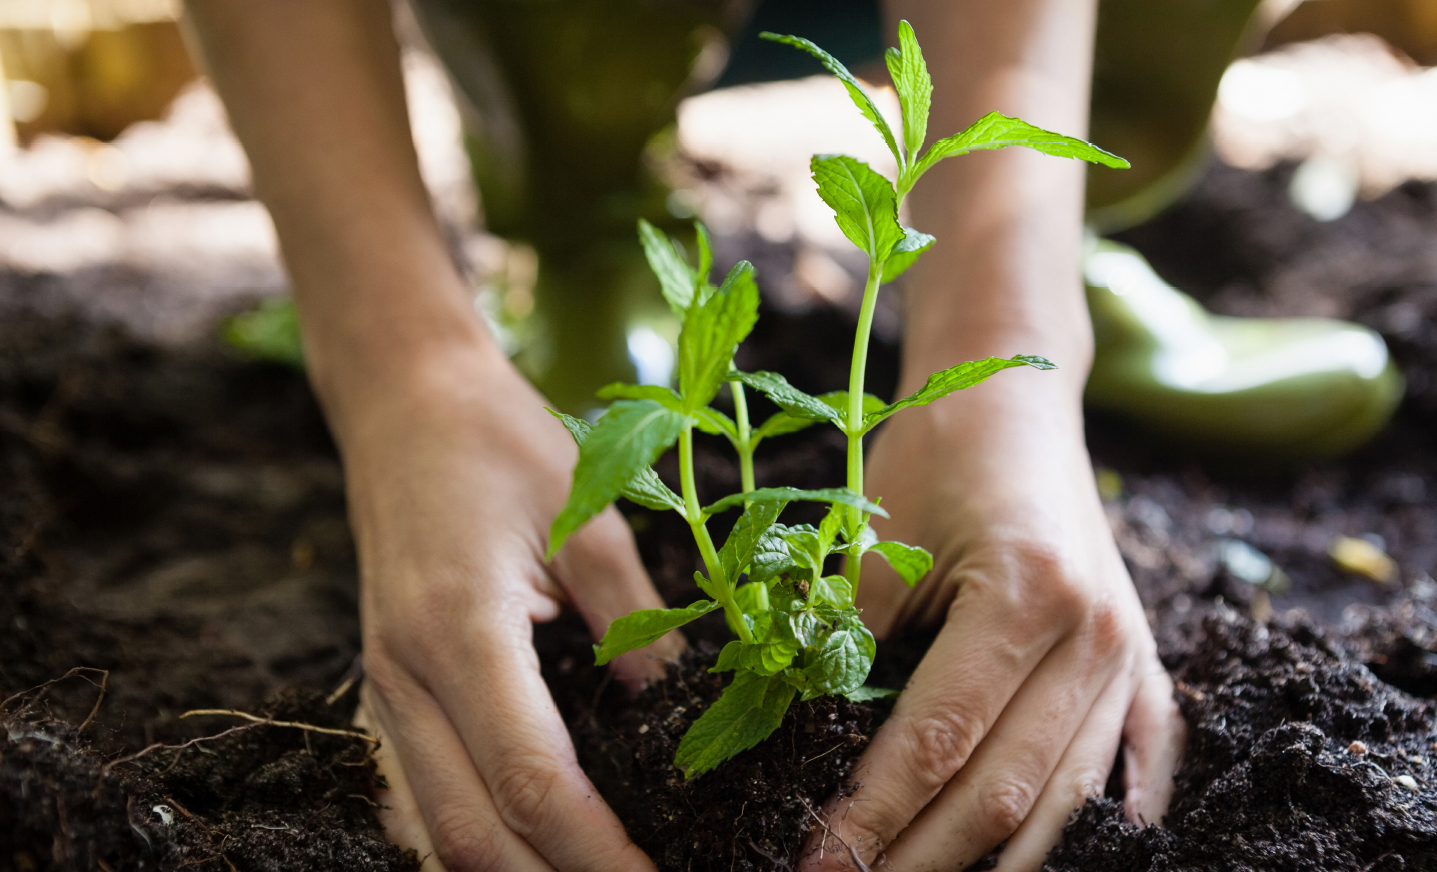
pixel 270 331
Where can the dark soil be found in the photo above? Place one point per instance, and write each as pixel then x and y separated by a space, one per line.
pixel 174 516
pixel 756 810
pixel 173 521
pixel 1298 758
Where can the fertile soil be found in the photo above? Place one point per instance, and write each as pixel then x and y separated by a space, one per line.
pixel 172 520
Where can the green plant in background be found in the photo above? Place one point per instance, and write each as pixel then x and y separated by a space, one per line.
pixel 270 331
pixel 799 634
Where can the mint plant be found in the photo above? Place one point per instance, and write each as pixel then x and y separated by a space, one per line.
pixel 798 631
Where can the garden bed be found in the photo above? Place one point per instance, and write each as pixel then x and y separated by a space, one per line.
pixel 174 516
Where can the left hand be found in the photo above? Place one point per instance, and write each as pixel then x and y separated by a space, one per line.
pixel 1044 663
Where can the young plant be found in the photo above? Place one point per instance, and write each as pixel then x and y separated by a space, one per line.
pixel 799 633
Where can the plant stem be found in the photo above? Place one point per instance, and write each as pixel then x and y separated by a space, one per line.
pixel 745 448
pixel 854 423
pixel 723 587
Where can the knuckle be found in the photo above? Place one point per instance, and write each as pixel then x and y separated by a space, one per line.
pixel 942 743
pixel 1003 805
pixel 1066 594
pixel 522 791
pixel 1049 584
pixel 464 841
pixel 1106 629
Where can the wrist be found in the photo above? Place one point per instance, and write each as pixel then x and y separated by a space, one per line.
pixel 371 383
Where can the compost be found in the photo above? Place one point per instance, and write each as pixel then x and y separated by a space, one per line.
pixel 173 538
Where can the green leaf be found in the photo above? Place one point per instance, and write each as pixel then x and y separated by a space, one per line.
pixel 830 525
pixel 751 598
pixel 763 658
pixel 941 384
pixel 868 693
pixel 1035 361
pixel 996 130
pixel 625 442
pixel 909 561
pixel 666 259
pixel 905 253
pixel 805 548
pixel 770 556
pixel 840 665
pixel 710 334
pixel 749 710
pixel 666 397
pixel 864 639
pixel 775 656
pixel 646 488
pixel 915 88
pixel 782 422
pixel 735 655
pixel 859 96
pixel 737 550
pixel 716 423
pixel 644 627
pixel 840 495
pixel 577 427
pixel 863 202
pixel 835 590
pixel 706 254
pixel 801 625
pixel 790 398
pixel 709 588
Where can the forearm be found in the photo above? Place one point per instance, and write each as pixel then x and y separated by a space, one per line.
pixel 315 94
pixel 1004 275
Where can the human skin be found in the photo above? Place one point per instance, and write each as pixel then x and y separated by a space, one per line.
pixel 454 471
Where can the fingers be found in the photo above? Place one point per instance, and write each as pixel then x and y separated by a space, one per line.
pixel 601 571
pixel 398 809
pixel 1154 736
pixel 1082 773
pixel 460 822
pixel 489 686
pixel 998 788
pixel 983 654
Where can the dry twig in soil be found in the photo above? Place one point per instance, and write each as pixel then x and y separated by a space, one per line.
pixel 852 852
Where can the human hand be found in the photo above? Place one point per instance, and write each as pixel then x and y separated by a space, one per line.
pixel 1044 660
pixel 452 482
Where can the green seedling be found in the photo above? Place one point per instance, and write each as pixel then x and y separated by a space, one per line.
pixel 798 632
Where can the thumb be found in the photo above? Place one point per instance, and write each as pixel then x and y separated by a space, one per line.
pixel 600 570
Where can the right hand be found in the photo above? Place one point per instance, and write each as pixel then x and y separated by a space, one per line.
pixel 453 481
